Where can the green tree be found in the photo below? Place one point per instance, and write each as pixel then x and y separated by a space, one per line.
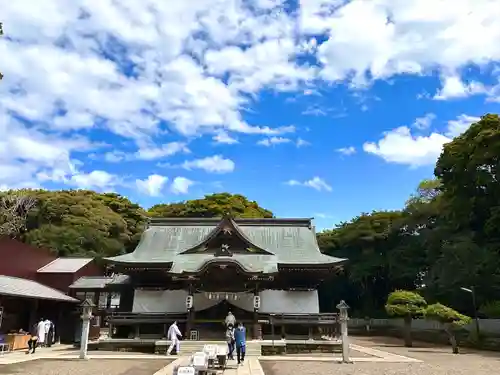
pixel 470 218
pixel 213 205
pixel 84 223
pixel 407 305
pixel 450 319
pixel 369 242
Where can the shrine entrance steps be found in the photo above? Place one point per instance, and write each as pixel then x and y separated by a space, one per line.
pixel 253 348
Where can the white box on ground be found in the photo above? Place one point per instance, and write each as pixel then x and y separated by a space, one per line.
pixel 186 370
pixel 222 350
pixel 199 361
pixel 210 350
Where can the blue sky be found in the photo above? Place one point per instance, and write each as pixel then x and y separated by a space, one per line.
pixel 317 108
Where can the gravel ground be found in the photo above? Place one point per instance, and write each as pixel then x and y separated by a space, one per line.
pixel 90 367
pixel 353 353
pixel 438 360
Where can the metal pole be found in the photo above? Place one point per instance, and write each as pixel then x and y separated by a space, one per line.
pixel 476 318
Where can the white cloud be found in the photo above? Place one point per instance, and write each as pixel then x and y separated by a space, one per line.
pixel 455 88
pixel 412 37
pixel 424 122
pixel 402 147
pixel 347 150
pixel 194 67
pixel 224 138
pixel 181 185
pixel 461 124
pixel 153 185
pixel 302 143
pixel 268 142
pixel 96 180
pixel 148 152
pixel 316 183
pixel 212 164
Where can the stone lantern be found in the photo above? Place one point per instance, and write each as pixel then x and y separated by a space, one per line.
pixel 344 318
pixel 86 316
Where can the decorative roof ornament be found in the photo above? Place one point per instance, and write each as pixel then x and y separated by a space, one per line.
pixel 224 251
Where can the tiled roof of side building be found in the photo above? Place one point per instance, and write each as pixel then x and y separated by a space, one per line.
pixel 291 241
pixel 17 287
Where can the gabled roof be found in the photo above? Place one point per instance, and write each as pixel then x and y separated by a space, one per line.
pixel 17 287
pixel 65 265
pixel 227 224
pixel 287 242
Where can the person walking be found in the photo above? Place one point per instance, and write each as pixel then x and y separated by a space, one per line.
pixel 40 332
pixel 230 319
pixel 174 335
pixel 33 340
pixel 240 338
pixel 230 341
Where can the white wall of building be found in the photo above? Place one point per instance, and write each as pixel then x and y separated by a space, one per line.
pixel 272 301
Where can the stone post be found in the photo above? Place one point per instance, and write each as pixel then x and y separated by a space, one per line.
pixel 86 306
pixel 344 318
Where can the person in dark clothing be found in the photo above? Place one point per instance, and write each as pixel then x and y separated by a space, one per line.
pixel 50 335
pixel 230 341
pixel 33 341
pixel 240 337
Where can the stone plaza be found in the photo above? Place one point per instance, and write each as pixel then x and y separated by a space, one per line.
pixel 369 356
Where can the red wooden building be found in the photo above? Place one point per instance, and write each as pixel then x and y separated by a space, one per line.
pixel 34 284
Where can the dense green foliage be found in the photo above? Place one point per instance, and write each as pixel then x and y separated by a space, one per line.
pixel 404 303
pixel 446 315
pixel 215 205
pixel 446 236
pixel 86 223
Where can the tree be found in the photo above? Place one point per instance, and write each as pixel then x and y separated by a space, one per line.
pixel 450 319
pixel 468 170
pixel 369 241
pixel 213 205
pixel 407 305
pixel 14 208
pixel 84 223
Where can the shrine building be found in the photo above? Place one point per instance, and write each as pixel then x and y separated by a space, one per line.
pixel 195 270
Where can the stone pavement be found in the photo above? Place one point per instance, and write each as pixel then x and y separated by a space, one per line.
pixel 55 361
pixel 251 366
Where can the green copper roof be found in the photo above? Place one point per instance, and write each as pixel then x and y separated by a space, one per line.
pixel 287 241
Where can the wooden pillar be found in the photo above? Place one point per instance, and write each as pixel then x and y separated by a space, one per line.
pixel 108 300
pixel 33 313
pixel 137 332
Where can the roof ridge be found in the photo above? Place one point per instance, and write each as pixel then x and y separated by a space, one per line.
pixel 48 264
pixel 201 221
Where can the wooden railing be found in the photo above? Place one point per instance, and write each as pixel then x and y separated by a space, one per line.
pixel 325 318
pixel 131 318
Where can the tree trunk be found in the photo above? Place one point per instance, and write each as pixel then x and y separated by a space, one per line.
pixel 452 338
pixel 407 332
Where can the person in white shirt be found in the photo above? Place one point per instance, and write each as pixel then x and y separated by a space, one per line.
pixel 230 319
pixel 174 335
pixel 40 332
